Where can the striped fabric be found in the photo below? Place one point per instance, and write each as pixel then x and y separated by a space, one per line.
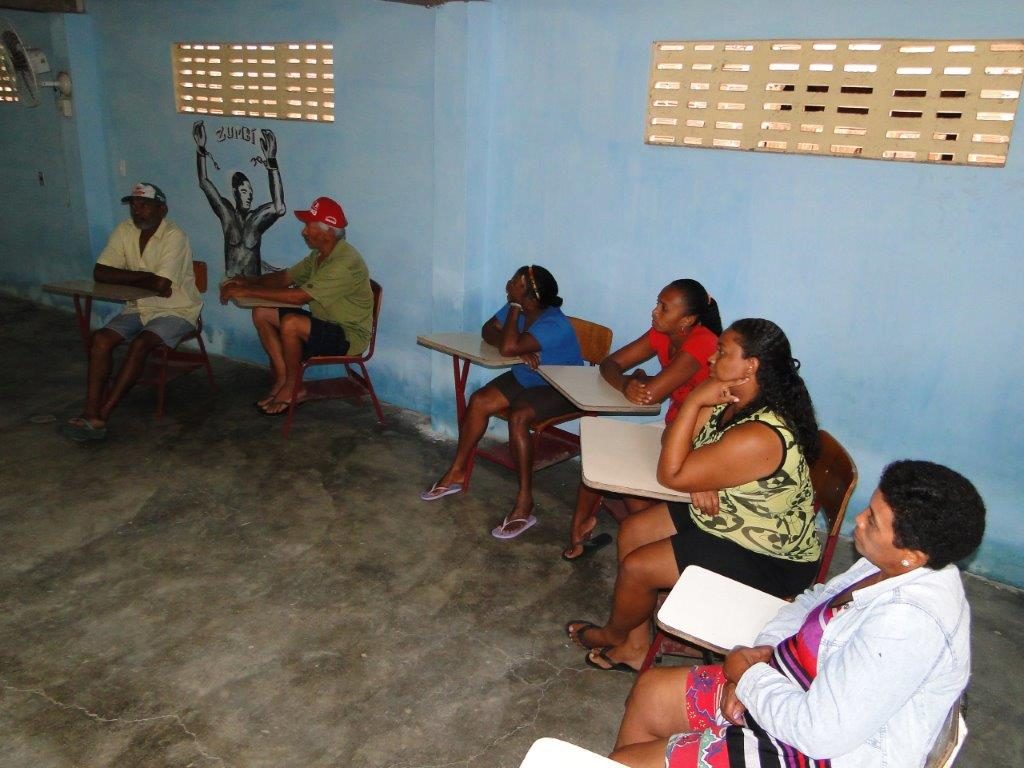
pixel 714 743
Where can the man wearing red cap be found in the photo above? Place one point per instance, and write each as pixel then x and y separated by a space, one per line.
pixel 333 280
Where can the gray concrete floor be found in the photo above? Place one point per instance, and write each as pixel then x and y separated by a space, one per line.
pixel 199 592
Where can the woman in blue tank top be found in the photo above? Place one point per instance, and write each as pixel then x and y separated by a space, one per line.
pixel 532 326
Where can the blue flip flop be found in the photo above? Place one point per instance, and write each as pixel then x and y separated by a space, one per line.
pixel 509 529
pixel 81 431
pixel 438 491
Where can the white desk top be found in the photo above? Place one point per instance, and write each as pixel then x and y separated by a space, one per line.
pixel 622 457
pixel 103 291
pixel 585 387
pixel 468 346
pixel 554 753
pixel 715 611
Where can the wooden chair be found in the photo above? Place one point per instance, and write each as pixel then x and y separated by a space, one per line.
pixel 550 444
pixel 834 477
pixel 354 384
pixel 166 363
pixel 951 737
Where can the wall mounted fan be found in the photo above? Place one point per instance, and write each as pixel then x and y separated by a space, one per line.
pixel 20 67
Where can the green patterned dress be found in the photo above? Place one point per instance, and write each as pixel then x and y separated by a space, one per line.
pixel 771 516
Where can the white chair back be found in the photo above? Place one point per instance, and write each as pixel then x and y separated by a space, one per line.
pixel 950 739
pixel 554 753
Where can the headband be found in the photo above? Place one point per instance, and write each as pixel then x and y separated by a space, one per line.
pixel 533 282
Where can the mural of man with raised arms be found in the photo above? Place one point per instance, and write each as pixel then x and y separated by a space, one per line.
pixel 243 227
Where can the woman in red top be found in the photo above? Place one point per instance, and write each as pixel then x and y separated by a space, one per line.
pixel 685 324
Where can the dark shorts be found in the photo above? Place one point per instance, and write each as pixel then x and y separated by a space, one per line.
pixel 695 546
pixel 546 402
pixel 324 338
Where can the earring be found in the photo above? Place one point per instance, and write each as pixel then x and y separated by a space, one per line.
pixel 905 563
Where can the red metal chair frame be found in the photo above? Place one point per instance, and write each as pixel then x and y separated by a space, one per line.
pixel 353 385
pixel 550 444
pixel 166 363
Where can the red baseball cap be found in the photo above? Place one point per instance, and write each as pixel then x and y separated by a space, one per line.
pixel 324 210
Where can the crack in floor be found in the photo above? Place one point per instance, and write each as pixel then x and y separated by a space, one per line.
pixel 102 719
pixel 543 686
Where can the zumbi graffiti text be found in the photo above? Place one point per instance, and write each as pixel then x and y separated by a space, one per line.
pixel 237 133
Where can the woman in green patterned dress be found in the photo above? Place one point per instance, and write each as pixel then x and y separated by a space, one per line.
pixel 740 446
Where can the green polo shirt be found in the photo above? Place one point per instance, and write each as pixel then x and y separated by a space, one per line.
pixel 339 291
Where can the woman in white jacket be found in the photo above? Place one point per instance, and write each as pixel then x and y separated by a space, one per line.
pixel 858 672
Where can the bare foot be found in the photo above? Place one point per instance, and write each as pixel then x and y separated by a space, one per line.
pixel 575 549
pixel 451 477
pixel 275 408
pixel 271 396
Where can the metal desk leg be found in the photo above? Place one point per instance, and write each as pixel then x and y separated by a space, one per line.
pixel 461 374
pixel 83 316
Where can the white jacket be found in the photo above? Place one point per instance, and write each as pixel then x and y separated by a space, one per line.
pixel 890 666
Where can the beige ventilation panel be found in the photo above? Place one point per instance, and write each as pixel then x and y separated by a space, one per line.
pixel 283 81
pixel 8 82
pixel 929 101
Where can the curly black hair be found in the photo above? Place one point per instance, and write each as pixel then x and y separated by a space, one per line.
pixel 700 303
pixel 781 389
pixel 935 510
pixel 541 284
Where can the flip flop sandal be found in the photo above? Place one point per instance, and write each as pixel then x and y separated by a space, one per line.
pixel 613 666
pixel 521 526
pixel 438 491
pixel 81 431
pixel 590 546
pixel 577 636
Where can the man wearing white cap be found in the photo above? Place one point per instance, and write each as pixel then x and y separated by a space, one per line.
pixel 148 251
pixel 333 280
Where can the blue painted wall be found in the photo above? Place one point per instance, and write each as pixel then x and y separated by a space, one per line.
pixel 476 137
